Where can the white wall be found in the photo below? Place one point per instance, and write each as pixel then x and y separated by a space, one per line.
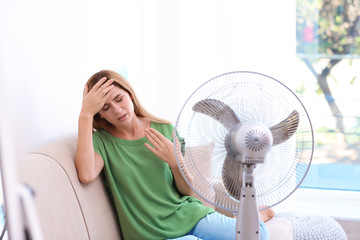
pixel 48 49
pixel 236 35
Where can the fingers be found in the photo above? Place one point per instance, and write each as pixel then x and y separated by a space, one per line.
pixel 153 150
pixel 100 87
pixel 102 92
pixel 86 90
pixel 95 98
pixel 103 85
pixel 107 92
pixel 99 84
pixel 155 133
pixel 106 86
pixel 153 137
pixel 161 145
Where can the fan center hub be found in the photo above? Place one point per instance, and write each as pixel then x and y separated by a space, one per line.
pixel 249 141
pixel 256 140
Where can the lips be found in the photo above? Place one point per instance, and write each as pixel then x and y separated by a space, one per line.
pixel 122 117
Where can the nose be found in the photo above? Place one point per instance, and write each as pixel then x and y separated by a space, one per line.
pixel 115 108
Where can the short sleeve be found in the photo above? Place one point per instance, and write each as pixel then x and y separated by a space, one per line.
pixel 182 144
pixel 98 143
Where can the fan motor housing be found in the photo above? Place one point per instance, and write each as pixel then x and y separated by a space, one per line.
pixel 249 140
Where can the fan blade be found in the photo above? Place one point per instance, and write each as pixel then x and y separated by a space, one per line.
pixel 218 111
pixel 286 128
pixel 232 173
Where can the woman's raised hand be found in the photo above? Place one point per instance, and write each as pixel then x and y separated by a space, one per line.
pixel 164 149
pixel 95 99
pixel 161 146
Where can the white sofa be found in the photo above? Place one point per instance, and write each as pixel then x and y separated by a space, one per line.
pixel 68 209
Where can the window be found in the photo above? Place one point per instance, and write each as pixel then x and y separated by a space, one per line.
pixel 328 52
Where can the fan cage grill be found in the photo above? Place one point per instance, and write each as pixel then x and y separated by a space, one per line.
pixel 253 97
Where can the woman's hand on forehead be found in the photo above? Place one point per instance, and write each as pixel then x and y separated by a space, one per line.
pixel 95 99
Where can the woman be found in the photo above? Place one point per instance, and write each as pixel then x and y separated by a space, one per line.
pixel 134 148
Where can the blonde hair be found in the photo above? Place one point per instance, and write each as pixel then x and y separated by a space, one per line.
pixel 120 81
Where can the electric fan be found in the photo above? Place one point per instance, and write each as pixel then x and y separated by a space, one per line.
pixel 249 145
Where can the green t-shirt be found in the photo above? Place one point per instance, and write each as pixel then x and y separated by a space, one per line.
pixel 143 189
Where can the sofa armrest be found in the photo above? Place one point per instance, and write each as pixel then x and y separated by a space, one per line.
pixel 67 209
pixel 57 207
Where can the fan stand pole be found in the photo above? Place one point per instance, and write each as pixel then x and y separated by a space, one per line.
pixel 247 224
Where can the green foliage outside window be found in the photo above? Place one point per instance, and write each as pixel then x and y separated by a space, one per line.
pixel 327 33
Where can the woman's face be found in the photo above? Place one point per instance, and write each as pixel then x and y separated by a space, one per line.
pixel 119 108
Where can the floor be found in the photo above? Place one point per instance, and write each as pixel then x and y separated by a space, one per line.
pixel 352 228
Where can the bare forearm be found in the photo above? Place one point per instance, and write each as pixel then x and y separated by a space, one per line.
pixel 88 163
pixel 180 181
pixel 85 156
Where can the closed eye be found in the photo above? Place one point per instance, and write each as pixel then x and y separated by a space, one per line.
pixel 105 107
pixel 118 98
